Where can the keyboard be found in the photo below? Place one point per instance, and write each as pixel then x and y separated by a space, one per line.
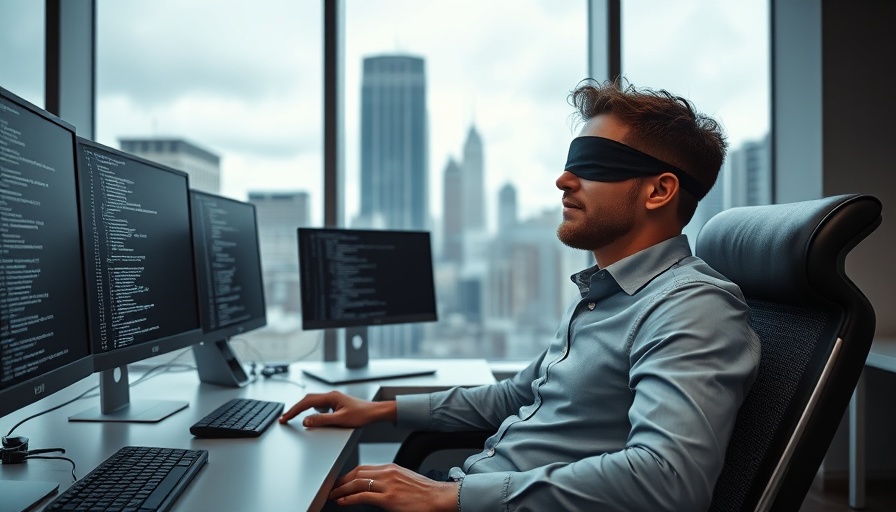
pixel 135 478
pixel 240 417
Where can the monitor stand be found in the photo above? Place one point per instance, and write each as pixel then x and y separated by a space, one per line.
pixel 115 404
pixel 217 364
pixel 358 367
pixel 21 495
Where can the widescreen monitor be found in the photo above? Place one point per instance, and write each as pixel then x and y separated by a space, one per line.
pixel 358 278
pixel 43 329
pixel 138 256
pixel 231 289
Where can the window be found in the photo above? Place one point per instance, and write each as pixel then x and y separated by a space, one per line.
pixel 22 49
pixel 716 54
pixel 457 122
pixel 236 85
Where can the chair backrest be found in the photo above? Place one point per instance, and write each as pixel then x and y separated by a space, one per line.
pixel 816 328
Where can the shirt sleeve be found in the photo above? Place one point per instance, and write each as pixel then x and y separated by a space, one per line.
pixel 689 375
pixel 478 408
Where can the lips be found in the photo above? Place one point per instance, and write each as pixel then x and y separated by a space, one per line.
pixel 567 203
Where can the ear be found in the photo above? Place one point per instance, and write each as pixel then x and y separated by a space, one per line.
pixel 663 190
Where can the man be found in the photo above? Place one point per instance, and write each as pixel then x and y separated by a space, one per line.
pixel 632 405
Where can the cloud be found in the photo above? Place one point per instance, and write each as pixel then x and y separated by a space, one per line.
pixel 244 79
pixel 164 51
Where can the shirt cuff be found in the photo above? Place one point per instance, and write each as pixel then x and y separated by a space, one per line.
pixel 484 491
pixel 413 411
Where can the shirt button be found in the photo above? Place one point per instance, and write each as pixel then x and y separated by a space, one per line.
pixel 491 452
pixel 591 306
pixel 601 275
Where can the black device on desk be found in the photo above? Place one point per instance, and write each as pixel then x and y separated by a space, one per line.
pixel 138 258
pixel 138 478
pixel 229 279
pixel 359 278
pixel 44 344
pixel 239 417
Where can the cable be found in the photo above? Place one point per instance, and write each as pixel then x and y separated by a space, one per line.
pixel 289 381
pixel 79 397
pixel 146 375
pixel 74 478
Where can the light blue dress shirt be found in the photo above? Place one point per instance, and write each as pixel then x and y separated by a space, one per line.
pixel 630 408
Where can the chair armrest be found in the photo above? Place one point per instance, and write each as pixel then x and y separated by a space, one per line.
pixel 420 444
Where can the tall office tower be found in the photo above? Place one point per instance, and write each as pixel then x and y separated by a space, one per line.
pixel 394 143
pixel 279 214
pixel 394 167
pixel 453 205
pixel 507 208
pixel 473 182
pixel 750 175
pixel 203 166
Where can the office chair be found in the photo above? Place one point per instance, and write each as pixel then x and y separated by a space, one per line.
pixel 816 328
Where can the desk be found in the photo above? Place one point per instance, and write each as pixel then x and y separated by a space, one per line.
pixel 287 468
pixel 882 356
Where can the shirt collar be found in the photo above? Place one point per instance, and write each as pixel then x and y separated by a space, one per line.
pixel 633 272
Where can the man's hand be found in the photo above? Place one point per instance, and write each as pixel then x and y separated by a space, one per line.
pixel 394 488
pixel 347 411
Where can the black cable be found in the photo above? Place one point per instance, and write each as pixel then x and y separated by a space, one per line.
pixel 146 375
pixel 79 397
pixel 53 458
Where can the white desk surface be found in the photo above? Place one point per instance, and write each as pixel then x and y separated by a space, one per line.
pixel 288 467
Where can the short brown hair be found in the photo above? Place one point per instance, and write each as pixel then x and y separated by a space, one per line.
pixel 663 125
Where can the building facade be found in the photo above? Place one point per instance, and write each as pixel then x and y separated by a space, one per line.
pixel 203 166
pixel 394 143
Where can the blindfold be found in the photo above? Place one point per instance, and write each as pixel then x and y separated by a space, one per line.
pixel 601 159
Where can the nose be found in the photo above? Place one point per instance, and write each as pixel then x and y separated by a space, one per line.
pixel 567 181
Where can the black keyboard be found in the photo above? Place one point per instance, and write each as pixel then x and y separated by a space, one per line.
pixel 135 478
pixel 240 417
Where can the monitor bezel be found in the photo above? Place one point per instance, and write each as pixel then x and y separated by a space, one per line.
pixel 38 387
pixel 316 323
pixel 115 358
pixel 231 330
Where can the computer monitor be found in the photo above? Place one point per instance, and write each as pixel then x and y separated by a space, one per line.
pixel 231 289
pixel 138 256
pixel 43 329
pixel 358 278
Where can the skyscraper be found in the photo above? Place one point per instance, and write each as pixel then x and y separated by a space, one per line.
pixel 750 174
pixel 203 167
pixel 394 143
pixel 473 182
pixel 507 208
pixel 452 216
pixel 394 169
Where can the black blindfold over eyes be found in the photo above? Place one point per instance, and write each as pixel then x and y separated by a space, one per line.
pixel 602 159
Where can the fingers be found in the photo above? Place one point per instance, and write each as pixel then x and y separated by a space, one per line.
pixel 356 486
pixel 316 400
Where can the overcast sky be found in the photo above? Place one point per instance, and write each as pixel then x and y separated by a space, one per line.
pixel 243 79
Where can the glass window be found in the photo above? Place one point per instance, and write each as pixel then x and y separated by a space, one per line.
pixel 22 42
pixel 240 84
pixel 716 54
pixel 457 122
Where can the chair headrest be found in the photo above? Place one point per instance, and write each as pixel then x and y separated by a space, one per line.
pixel 788 252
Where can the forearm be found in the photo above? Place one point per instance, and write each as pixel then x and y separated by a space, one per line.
pixel 478 408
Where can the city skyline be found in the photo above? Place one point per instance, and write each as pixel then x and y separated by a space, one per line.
pixel 244 80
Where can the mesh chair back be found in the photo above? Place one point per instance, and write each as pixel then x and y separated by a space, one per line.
pixel 815 327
